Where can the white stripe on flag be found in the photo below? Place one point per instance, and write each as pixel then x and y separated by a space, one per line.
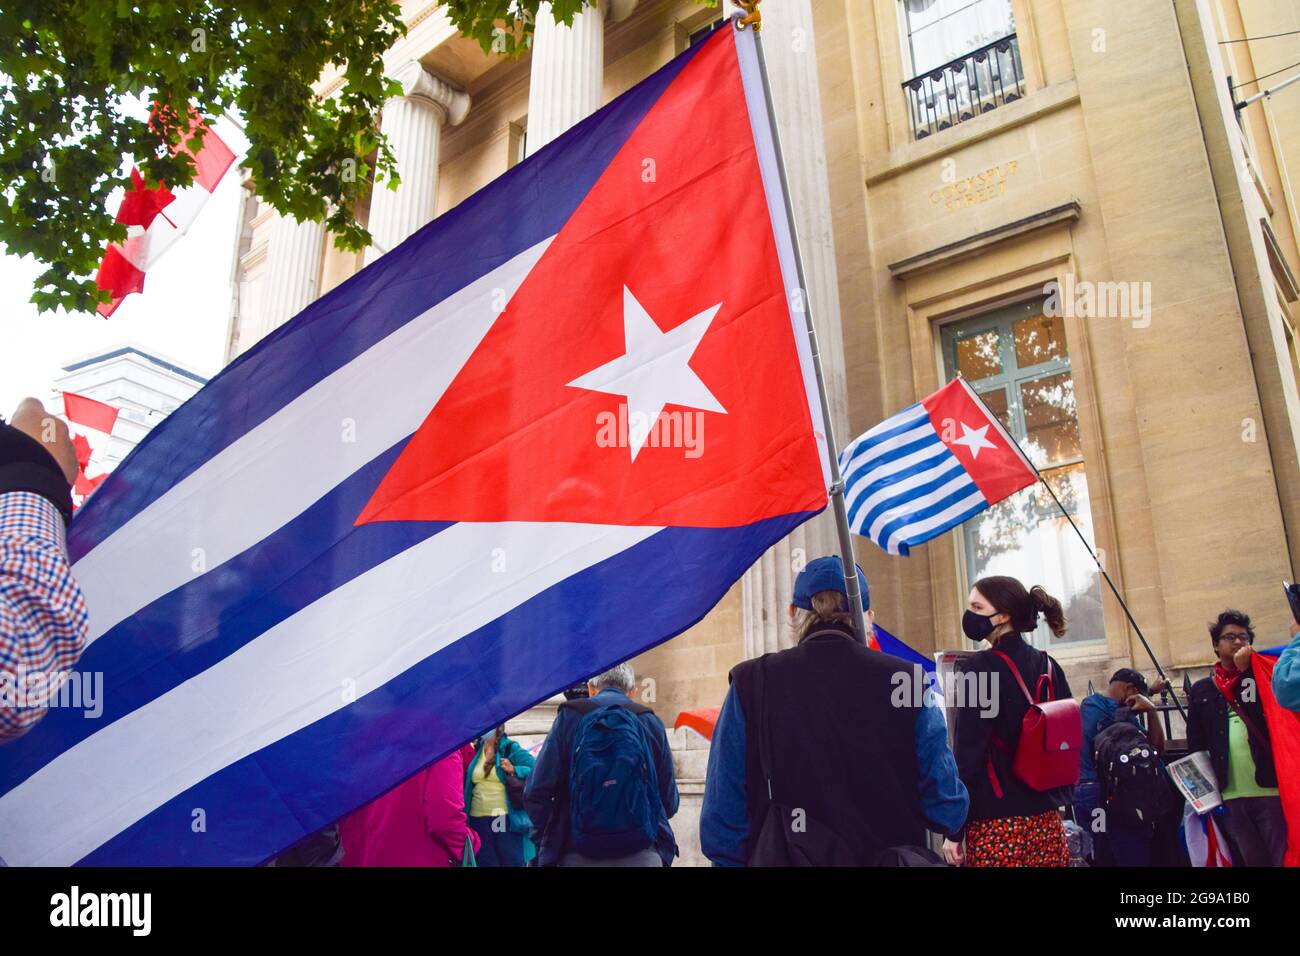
pixel 369 630
pixel 894 465
pixel 278 469
pixel 906 417
pixel 864 460
pixel 879 492
pixel 913 506
pixel 908 532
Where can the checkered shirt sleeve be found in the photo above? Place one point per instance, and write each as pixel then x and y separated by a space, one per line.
pixel 43 620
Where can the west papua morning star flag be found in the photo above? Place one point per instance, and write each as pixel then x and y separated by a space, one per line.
pixel 405 515
pixel 929 468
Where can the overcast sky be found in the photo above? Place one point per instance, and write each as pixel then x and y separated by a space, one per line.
pixel 181 315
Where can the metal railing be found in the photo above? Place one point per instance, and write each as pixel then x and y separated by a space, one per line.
pixel 969 86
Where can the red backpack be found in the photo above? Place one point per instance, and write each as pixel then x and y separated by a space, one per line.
pixel 1051 738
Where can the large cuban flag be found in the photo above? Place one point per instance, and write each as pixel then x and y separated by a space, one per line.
pixel 547 432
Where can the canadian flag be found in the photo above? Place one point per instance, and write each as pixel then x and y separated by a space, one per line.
pixel 157 218
pixel 93 423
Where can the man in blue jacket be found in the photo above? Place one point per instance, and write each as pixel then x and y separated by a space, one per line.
pixel 860 768
pixel 547 793
pixel 1112 843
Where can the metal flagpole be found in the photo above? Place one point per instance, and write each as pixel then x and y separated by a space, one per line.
pixel 752 19
pixel 1093 554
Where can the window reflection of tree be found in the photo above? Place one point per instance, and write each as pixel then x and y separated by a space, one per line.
pixel 1007 525
pixel 979 356
pixel 1050 414
pixel 1038 339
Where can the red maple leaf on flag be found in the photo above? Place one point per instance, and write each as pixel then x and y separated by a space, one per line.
pixel 140 205
pixel 82 446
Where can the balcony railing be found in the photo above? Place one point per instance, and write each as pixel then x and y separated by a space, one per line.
pixel 970 85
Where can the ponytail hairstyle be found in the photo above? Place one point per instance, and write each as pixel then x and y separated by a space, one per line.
pixel 1021 606
pixel 828 607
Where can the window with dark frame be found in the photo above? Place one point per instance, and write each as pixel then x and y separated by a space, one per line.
pixel 701 33
pixel 1018 360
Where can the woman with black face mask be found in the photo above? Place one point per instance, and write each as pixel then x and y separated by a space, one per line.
pixel 1010 823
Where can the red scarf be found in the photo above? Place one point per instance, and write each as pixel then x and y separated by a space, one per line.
pixel 1229 684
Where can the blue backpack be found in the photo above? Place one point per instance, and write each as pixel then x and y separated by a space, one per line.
pixel 614 804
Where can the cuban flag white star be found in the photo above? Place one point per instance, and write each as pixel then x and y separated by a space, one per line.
pixel 655 370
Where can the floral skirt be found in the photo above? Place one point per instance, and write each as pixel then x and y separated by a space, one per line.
pixel 1018 841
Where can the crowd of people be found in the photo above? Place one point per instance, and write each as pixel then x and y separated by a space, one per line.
pixel 815 758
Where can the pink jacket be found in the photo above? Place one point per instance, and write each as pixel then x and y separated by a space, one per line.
pixel 420 822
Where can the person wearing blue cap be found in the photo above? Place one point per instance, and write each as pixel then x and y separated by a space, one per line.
pixel 817 759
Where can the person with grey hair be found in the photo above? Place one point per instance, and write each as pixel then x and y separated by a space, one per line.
pixel 620 677
pixel 603 789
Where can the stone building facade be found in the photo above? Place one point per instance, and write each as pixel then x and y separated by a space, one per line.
pixel 1067 201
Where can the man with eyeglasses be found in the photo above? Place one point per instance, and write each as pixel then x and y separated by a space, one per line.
pixel 1226 718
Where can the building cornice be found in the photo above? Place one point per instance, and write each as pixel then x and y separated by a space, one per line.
pixel 980 242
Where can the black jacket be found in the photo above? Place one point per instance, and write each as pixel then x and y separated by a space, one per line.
pixel 1207 729
pixel 974 733
pixel 840 750
pixel 25 465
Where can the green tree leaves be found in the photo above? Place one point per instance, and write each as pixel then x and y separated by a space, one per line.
pixel 506 26
pixel 77 78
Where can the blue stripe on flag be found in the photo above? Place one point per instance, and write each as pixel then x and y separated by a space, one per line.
pixel 591 620
pixel 196 626
pixel 886 466
pixel 901 423
pixel 928 511
pixel 905 546
pixel 946 466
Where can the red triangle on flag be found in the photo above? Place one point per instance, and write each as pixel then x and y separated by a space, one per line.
pixel 669 267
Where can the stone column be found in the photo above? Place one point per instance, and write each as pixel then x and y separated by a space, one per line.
pixel 787 34
pixel 413 124
pixel 292 270
pixel 566 81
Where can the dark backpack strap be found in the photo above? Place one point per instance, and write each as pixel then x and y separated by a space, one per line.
pixel 585 705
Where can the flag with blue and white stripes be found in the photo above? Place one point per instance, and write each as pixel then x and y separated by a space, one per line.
pixel 929 468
